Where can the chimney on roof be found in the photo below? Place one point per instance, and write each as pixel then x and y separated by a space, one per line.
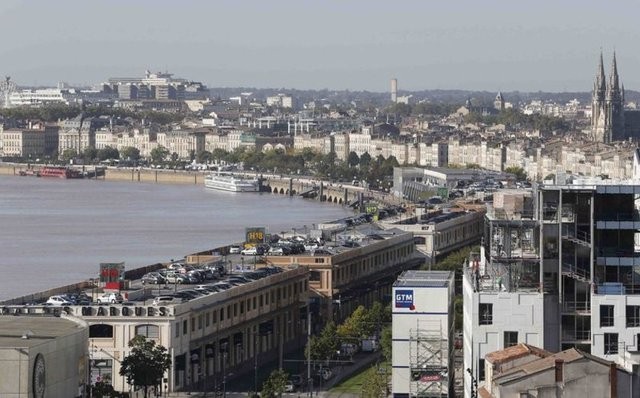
pixel 613 380
pixel 559 370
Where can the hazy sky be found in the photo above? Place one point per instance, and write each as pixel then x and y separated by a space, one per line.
pixel 546 45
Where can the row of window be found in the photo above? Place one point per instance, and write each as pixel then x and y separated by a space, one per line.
pixel 275 295
pixel 607 317
pixel 350 271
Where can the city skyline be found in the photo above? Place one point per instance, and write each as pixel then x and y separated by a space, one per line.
pixel 493 46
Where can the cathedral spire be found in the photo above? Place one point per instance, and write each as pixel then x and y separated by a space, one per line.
pixel 613 77
pixel 600 84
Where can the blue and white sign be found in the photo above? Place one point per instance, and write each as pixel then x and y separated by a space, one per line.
pixel 404 299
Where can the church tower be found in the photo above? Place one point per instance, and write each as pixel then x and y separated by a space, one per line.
pixel 498 103
pixel 607 105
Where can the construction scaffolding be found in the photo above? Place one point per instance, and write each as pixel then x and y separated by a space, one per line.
pixel 430 359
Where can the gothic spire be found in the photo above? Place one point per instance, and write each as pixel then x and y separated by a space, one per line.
pixel 600 84
pixel 613 77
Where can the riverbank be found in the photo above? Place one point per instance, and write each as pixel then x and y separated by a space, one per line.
pixel 178 177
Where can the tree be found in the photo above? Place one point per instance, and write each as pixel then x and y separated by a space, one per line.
pixel 274 386
pixel 385 343
pixel 130 153
pixel 108 153
pixel 357 325
pixel 103 389
pixel 325 345
pixel 353 160
pixel 89 154
pixel 68 154
pixel 519 172
pixel 146 364
pixel 159 154
pixel 376 385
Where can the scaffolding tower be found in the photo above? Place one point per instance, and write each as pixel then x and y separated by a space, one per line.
pixel 429 359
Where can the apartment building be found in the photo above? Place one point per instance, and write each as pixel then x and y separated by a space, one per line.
pixel 558 270
pixel 33 142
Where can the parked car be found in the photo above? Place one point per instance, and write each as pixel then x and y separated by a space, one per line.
pixel 252 251
pixel 234 250
pixel 152 277
pixel 110 298
pixel 59 300
pixel 164 300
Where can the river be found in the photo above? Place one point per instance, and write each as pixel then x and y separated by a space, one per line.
pixel 56 232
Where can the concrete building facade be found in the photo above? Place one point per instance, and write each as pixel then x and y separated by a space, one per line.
pixel 422 346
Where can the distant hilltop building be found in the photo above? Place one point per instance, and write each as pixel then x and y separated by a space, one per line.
pixel 158 86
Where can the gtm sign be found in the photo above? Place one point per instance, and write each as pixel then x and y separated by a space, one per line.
pixel 404 299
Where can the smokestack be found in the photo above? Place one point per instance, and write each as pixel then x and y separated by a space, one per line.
pixel 559 370
pixel 394 90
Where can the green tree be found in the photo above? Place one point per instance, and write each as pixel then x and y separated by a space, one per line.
pixel 89 154
pixel 385 343
pixel 274 386
pixel 68 154
pixel 353 160
pixel 108 153
pixel 103 389
pixel 365 161
pixel 219 155
pixel 204 157
pixel 357 325
pixel 376 385
pixel 325 345
pixel 519 172
pixel 159 154
pixel 146 364
pixel 130 153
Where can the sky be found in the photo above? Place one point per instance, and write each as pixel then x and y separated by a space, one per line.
pixel 543 45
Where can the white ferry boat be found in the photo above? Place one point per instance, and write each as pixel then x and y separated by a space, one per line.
pixel 227 182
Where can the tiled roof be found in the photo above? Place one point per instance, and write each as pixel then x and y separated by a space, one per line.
pixel 515 352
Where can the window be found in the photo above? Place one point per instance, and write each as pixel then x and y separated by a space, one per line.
pixel 510 339
pixel 177 328
pixel 606 315
pixel 148 331
pixel 184 327
pixel 193 324
pixel 481 370
pixel 633 316
pixel 486 314
pixel 610 343
pixel 101 331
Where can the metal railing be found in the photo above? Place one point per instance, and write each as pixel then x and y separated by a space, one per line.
pixel 576 335
pixel 569 231
pixel 577 306
pixel 573 271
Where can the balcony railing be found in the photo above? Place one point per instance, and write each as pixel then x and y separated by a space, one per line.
pixel 577 335
pixel 577 306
